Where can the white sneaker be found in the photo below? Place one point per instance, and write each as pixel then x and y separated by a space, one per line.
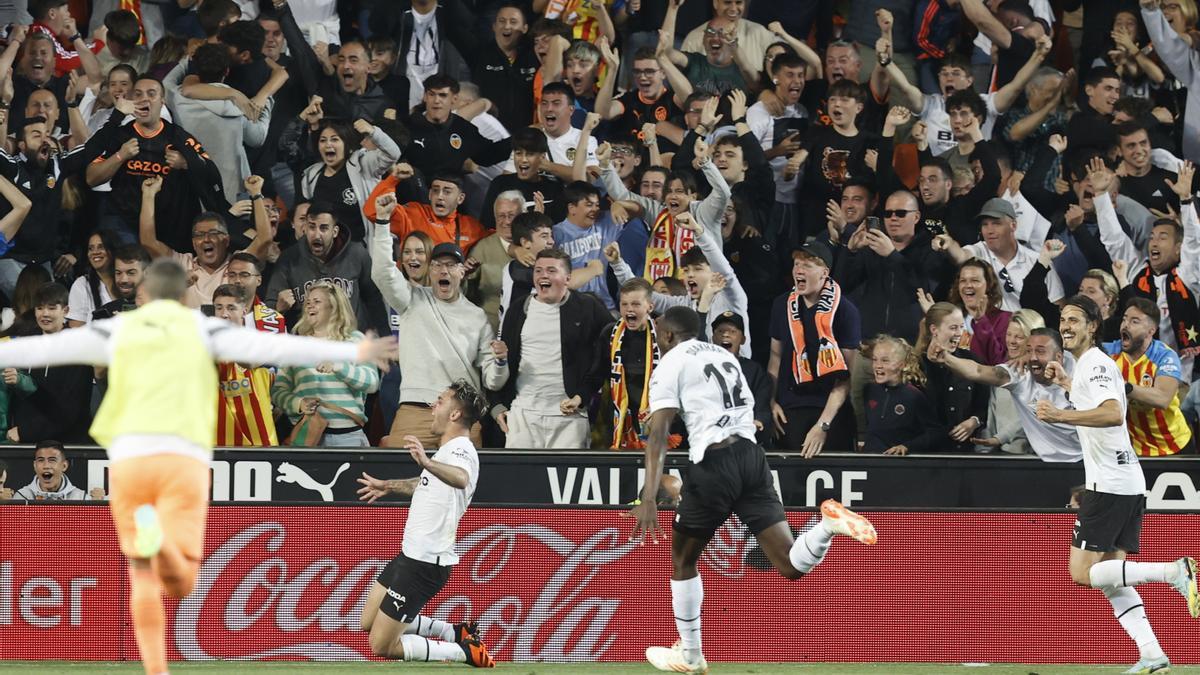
pixel 671 659
pixel 840 520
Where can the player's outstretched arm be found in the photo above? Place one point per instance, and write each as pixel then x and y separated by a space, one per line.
pixel 79 346
pixel 375 488
pixel 646 510
pixel 247 345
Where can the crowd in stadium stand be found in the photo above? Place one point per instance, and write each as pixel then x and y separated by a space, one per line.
pixel 878 205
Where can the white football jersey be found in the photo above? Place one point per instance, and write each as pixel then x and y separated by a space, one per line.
pixel 432 524
pixel 1109 462
pixel 706 384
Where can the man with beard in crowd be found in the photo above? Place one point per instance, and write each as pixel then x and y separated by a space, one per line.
pixel 41 170
pixel 244 272
pixel 210 240
pixel 1052 441
pixel 129 263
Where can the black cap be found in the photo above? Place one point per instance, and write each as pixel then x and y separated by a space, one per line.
pixel 447 249
pixel 817 249
pixel 730 317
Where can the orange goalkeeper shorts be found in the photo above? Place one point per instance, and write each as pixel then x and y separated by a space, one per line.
pixel 178 488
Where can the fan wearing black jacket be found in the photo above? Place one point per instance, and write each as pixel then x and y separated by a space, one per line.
pixel 443 141
pixel 544 404
pixel 128 154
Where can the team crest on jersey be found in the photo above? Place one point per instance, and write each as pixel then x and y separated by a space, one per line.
pixel 571 154
pixel 348 197
pixel 1147 380
pixel 455 141
pixel 50 182
pixel 660 113
pixel 900 409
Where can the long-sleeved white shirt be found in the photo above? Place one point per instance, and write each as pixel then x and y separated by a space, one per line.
pixel 93 345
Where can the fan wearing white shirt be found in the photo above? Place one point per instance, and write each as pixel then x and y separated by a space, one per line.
pixel 440 496
pixel 1109 525
pixel 1009 259
pixel 704 383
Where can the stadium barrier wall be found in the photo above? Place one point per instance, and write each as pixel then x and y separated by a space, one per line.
pixel 591 479
pixel 565 584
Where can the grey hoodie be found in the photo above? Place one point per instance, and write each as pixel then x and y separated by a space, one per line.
pixel 65 492
pixel 221 129
pixel 348 267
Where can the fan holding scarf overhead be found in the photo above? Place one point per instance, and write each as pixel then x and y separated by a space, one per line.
pixel 668 241
pixel 815 335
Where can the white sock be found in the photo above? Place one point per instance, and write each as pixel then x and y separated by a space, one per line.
pixel 1127 607
pixel 1121 573
pixel 687 596
pixel 431 628
pixel 809 549
pixel 417 648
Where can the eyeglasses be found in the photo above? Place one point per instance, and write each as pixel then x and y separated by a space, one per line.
pixel 211 235
pixel 644 72
pixel 1007 279
pixel 621 151
pixel 443 264
pixel 898 213
pixel 241 275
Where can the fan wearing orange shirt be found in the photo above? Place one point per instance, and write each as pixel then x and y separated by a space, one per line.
pixel 439 218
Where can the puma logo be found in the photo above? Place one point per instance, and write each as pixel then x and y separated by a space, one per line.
pixel 290 473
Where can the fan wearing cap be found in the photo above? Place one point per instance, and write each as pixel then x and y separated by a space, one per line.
pixel 1010 260
pixel 444 337
pixel 729 331
pixel 815 335
pixel 1158 273
pixel 552 377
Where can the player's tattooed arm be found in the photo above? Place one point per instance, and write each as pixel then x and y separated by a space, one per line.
pixel 403 487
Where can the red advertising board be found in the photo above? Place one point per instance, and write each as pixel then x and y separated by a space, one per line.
pixel 287 582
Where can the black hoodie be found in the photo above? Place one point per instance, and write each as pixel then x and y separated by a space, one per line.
pixel 348 266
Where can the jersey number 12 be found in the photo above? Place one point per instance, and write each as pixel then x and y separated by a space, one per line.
pixel 729 399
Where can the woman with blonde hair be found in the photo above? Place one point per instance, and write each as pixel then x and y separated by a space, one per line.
pixel 1004 430
pixel 960 405
pixel 335 392
pixel 1105 290
pixel 900 417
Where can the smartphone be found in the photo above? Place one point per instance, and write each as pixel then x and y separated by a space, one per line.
pixel 874 223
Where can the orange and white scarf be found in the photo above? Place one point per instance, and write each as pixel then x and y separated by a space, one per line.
pixel 667 242
pixel 630 433
pixel 829 355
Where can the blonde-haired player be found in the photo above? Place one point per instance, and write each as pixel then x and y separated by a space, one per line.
pixel 158 421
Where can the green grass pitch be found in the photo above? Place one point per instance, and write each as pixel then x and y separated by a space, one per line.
pixel 240 668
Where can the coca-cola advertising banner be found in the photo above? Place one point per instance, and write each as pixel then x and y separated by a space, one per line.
pixel 592 479
pixel 567 585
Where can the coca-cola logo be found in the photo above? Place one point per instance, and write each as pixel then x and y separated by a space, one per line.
pixel 253 585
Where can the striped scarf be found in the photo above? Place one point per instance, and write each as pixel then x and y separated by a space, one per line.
pixel 627 431
pixel 666 244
